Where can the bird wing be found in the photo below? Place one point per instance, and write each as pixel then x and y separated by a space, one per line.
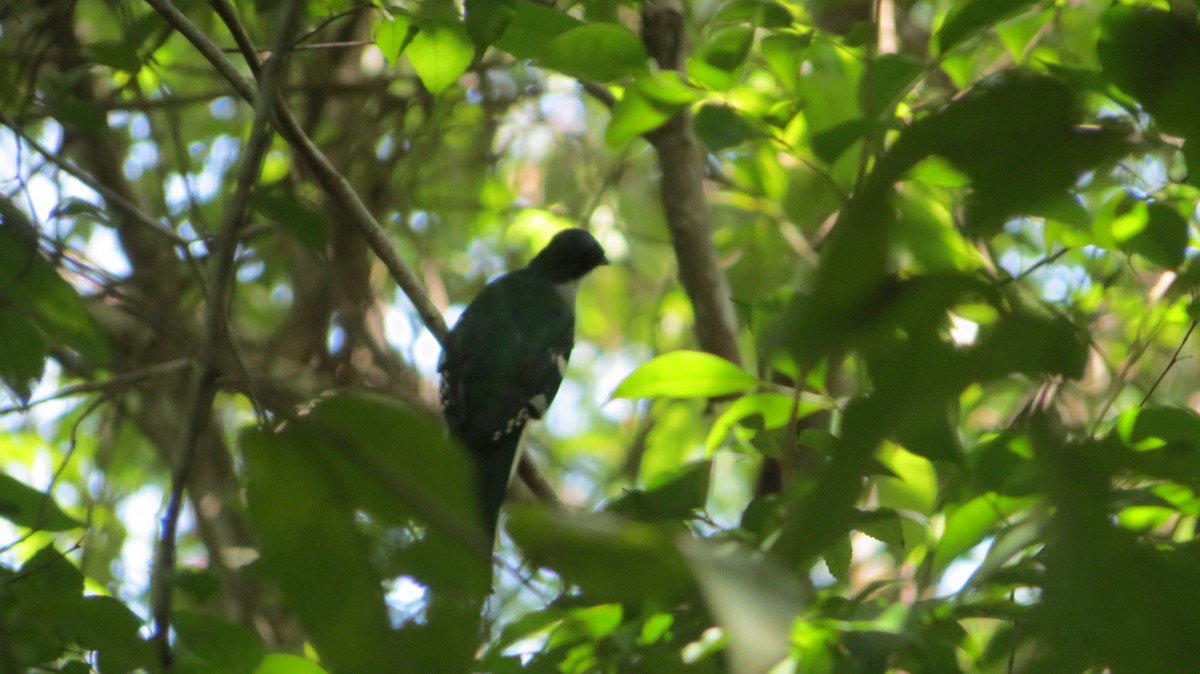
pixel 504 360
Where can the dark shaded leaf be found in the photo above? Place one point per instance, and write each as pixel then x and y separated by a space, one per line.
pixel 27 507
pixel 533 24
pixel 608 558
pixel 679 498
pixel 225 648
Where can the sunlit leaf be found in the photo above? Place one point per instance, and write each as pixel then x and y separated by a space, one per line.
pixel 968 17
pixel 685 374
pixel 440 52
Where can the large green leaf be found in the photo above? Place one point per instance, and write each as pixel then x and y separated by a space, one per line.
pixel 23 356
pixel 312 549
pixel 224 647
pixel 601 52
pixel 685 374
pixel 29 283
pixel 27 507
pixel 532 25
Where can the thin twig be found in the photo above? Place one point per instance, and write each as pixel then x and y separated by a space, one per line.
pixel 334 184
pixel 1174 359
pixel 106 386
pixel 204 385
pixel 111 197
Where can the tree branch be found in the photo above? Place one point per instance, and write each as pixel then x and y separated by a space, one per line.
pixel 681 159
pixel 334 184
pixel 204 386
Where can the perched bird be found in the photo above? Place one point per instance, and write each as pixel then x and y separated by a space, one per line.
pixel 504 359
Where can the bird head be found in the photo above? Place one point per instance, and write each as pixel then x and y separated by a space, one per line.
pixel 569 256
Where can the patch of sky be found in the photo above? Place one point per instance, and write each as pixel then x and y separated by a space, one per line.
pixel 222 108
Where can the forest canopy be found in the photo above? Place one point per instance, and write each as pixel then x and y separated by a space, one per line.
pixel 891 371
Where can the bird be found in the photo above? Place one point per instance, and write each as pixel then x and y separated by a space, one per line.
pixel 504 360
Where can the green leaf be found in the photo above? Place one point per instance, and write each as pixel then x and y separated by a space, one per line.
pixel 23 357
pixel 282 663
pixel 311 547
pixel 965 18
pixel 393 34
pixel 488 19
pixel 685 374
pixel 118 55
pixel 298 217
pixel 28 282
pixel 774 409
pixel 1163 239
pixel 720 55
pixel 1029 344
pixel 224 647
pixel 534 24
pixel 720 127
pixel 109 627
pixel 51 588
pixel 753 600
pixel 829 144
pixel 647 103
pixel 838 558
pixel 784 52
pixel 75 207
pixel 890 76
pixel 679 498
pixel 761 13
pixel 986 133
pixel 609 559
pixel 27 507
pixel 440 52
pixel 883 524
pixel 600 52
pixel 1154 56
pixel 968 524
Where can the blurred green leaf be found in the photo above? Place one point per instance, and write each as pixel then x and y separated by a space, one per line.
pixel 685 374
pixel 1163 239
pixel 608 558
pixel 223 646
pixel 600 52
pixel 393 34
pixel 282 663
pixel 30 284
pixel 311 547
pixel 647 103
pixel 440 52
pixel 534 24
pixel 298 217
pixel 487 20
pixel 23 357
pixel 106 625
pixel 678 498
pixel 829 144
pixel 753 600
pixel 966 18
pixel 27 507
pixel 721 127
